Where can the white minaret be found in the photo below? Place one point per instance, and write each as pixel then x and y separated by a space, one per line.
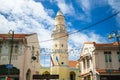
pixel 60 48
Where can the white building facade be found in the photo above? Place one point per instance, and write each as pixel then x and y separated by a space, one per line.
pixel 24 56
pixel 100 61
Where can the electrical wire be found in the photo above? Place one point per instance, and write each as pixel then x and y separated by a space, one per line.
pixel 92 25
pixel 89 26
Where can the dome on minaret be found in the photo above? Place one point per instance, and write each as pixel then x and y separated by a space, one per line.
pixel 59 13
pixel 59 21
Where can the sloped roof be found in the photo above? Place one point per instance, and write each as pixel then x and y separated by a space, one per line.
pixel 15 36
pixel 102 44
pixel 109 44
pixel 73 64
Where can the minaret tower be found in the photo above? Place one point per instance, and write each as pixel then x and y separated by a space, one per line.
pixel 60 48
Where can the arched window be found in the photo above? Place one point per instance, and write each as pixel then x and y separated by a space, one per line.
pixel 28 74
pixel 55 45
pixel 62 63
pixel 62 45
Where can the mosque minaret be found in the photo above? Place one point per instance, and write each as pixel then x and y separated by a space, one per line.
pixel 60 48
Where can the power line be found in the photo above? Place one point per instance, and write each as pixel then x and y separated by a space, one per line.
pixel 101 21
pixel 92 25
pixel 89 26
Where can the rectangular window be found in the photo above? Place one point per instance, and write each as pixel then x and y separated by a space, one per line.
pixel 108 59
pixel 0 48
pixel 109 56
pixel 118 53
pixel 84 63
pixel 16 48
pixel 88 63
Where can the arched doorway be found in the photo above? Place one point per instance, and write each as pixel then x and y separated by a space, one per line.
pixel 46 76
pixel 46 73
pixel 72 75
pixel 28 74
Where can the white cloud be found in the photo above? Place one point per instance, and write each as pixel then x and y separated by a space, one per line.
pixel 85 5
pixel 69 9
pixel 76 41
pixel 28 16
pixel 79 38
pixel 25 16
pixel 66 8
pixel 115 4
pixel 85 10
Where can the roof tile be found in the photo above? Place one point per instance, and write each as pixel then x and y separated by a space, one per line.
pixel 73 63
pixel 15 35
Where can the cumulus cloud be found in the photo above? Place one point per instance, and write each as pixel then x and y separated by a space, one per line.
pixel 28 16
pixel 25 16
pixel 85 5
pixel 76 41
pixel 66 8
pixel 115 4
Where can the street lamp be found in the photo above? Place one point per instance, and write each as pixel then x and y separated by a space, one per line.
pixel 10 66
pixel 117 36
pixel 12 42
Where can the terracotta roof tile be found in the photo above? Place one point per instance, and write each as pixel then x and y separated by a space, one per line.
pixel 102 44
pixel 104 71
pixel 15 35
pixel 73 63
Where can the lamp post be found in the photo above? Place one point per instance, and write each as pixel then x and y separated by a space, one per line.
pixel 10 66
pixel 12 42
pixel 117 36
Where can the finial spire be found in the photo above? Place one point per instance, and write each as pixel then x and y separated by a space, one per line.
pixel 59 13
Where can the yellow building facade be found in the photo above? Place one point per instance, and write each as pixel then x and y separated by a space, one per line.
pixel 60 64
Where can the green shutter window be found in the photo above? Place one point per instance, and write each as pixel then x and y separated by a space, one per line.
pixel 106 58
pixel 118 53
pixel 110 59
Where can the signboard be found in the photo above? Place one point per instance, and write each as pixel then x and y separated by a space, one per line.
pixel 45 76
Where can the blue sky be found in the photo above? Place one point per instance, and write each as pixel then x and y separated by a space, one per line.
pixel 37 16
